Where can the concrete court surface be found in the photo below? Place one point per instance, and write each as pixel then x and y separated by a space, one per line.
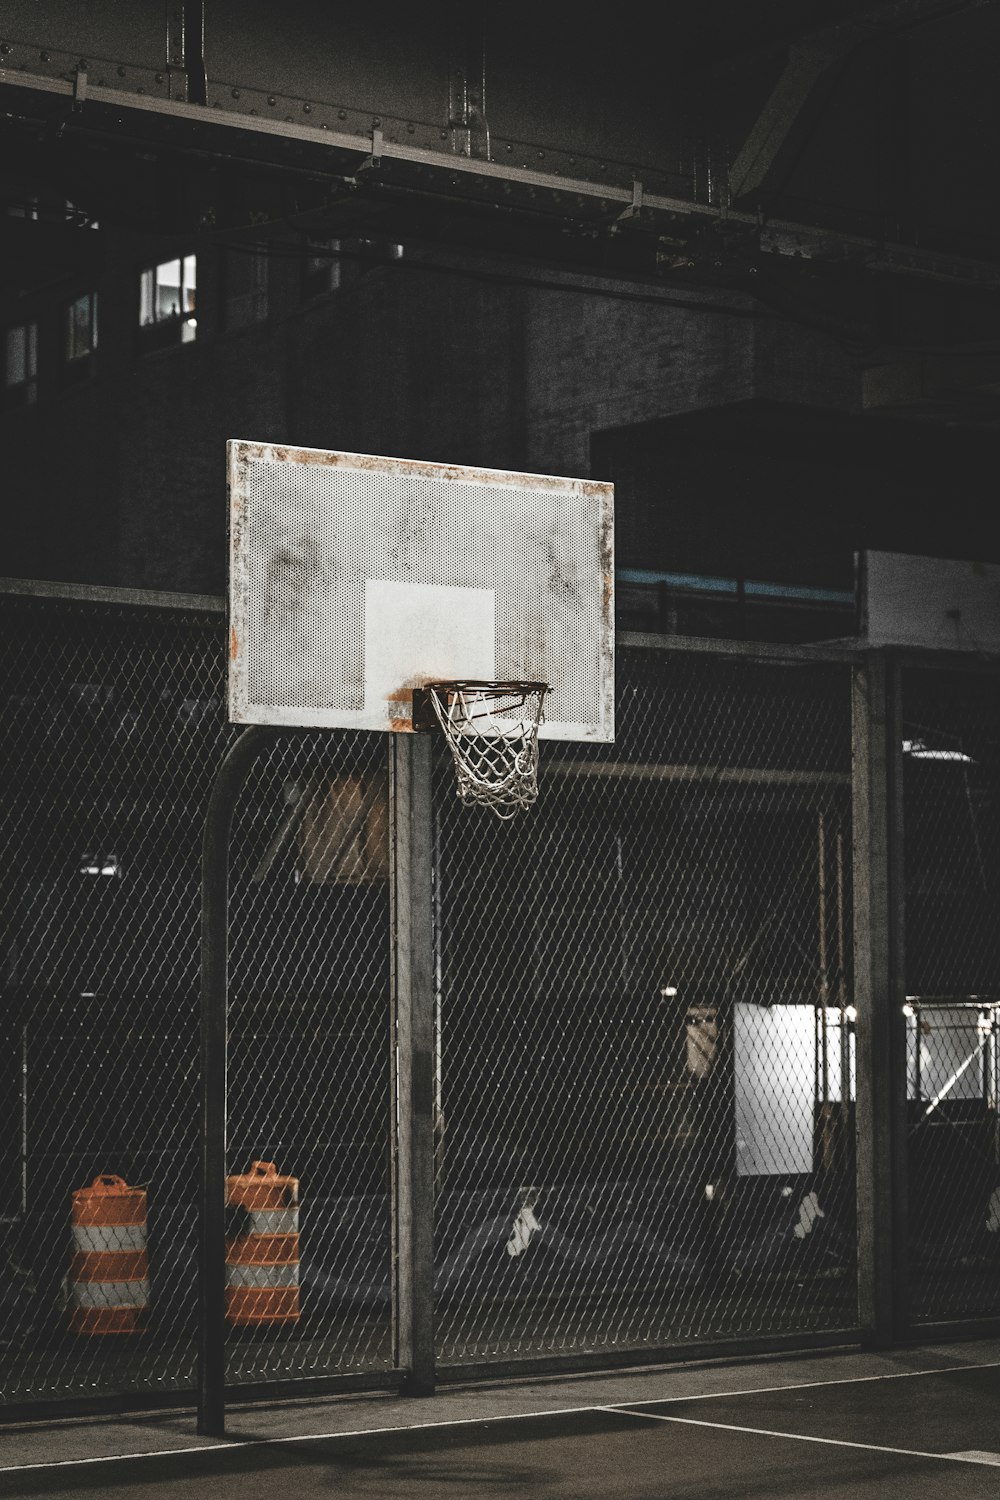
pixel 919 1423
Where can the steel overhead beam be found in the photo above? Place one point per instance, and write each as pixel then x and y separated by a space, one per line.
pixel 809 76
pixel 337 152
pixel 808 63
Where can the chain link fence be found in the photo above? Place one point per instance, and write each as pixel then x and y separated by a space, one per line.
pixel 309 1054
pixel 644 1069
pixel 643 1138
pixel 951 838
pixel 113 728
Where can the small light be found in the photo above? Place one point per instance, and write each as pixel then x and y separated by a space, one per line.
pixel 709 1191
pixel 103 864
pixel 668 991
pixel 908 1010
pixel 851 1012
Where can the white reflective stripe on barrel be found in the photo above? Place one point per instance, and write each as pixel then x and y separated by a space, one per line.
pixel 109 1237
pixel 109 1293
pixel 263 1277
pixel 273 1221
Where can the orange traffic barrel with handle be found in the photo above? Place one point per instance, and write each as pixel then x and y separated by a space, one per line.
pixel 109 1264
pixel 262 1259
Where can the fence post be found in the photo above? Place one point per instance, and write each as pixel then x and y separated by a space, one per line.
pixel 229 780
pixel 879 987
pixel 413 970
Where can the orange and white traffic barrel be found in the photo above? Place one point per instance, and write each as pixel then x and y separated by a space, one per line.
pixel 109 1265
pixel 262 1260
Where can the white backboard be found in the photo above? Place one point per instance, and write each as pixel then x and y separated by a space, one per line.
pixel 354 579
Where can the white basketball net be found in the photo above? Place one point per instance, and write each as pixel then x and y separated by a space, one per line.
pixel 492 733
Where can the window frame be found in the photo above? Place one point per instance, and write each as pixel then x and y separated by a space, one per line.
pixel 24 390
pixel 179 325
pixel 77 362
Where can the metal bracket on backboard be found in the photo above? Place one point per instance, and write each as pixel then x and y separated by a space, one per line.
pixel 79 87
pixel 424 716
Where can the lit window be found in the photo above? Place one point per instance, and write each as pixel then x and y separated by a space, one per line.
pixel 321 267
pixel 246 288
pixel 167 295
pixel 21 381
pixel 81 328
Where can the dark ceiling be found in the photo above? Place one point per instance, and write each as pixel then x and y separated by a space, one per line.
pixel 836 159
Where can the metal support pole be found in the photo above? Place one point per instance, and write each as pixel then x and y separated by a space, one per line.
pixel 846 1089
pixel 879 996
pixel 226 788
pixel 413 966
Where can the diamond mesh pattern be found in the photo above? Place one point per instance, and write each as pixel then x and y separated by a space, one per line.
pixel 112 730
pixel 644 1011
pixel 309 1040
pixel 641 1137
pixel 951 831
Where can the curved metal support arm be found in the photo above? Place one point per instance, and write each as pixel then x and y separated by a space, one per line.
pixel 229 781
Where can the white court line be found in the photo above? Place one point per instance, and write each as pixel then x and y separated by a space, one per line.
pixel 807 1385
pixel 801 1437
pixel 238 1444
pixel 517 1416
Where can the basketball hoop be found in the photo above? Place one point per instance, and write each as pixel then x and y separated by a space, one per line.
pixel 492 733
